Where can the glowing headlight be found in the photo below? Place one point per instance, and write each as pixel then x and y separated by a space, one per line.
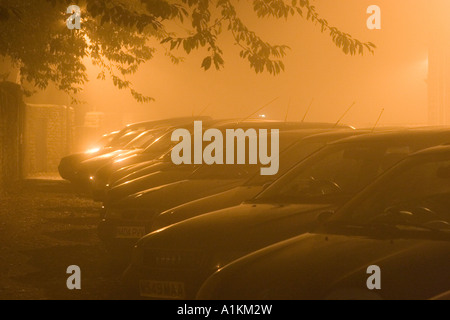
pixel 94 150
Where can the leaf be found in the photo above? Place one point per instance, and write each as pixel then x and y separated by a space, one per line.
pixel 206 64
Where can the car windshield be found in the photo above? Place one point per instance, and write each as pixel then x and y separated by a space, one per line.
pixel 295 153
pixel 105 140
pixel 416 194
pixel 142 140
pixel 126 135
pixel 125 139
pixel 333 174
pixel 160 145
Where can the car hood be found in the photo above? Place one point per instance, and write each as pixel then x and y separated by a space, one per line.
pixel 132 159
pixel 77 158
pixel 106 172
pixel 243 228
pixel 82 156
pixel 211 203
pixel 158 199
pixel 93 164
pixel 153 179
pixel 133 171
pixel 318 266
pixel 112 155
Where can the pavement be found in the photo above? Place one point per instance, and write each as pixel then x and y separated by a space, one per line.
pixel 44 228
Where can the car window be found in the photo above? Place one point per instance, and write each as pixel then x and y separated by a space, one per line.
pixel 125 139
pixel 333 174
pixel 419 193
pixel 126 135
pixel 141 141
pixel 105 140
pixel 160 145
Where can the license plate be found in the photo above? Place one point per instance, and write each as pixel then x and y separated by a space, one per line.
pixel 130 232
pixel 162 289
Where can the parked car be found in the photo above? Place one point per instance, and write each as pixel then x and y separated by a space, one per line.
pixel 294 154
pixel 152 156
pixel 102 178
pixel 155 173
pixel 144 141
pixel 129 219
pixel 98 170
pixel 400 224
pixel 138 170
pixel 163 171
pixel 69 166
pixel 183 255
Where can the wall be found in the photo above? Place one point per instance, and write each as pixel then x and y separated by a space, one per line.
pixel 48 137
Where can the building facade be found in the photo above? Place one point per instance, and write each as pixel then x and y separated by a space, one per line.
pixel 439 64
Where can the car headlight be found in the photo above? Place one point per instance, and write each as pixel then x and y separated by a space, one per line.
pixel 93 150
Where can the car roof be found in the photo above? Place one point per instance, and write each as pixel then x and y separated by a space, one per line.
pixel 167 121
pixel 277 124
pixel 333 135
pixel 407 134
pixel 312 132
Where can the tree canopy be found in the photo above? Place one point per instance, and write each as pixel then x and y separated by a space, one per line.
pixel 120 35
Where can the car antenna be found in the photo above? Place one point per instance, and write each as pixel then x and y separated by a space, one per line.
pixel 204 109
pixel 345 113
pixel 378 120
pixel 307 110
pixel 246 118
pixel 287 110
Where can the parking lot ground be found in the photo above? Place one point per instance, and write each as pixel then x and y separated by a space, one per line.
pixel 44 228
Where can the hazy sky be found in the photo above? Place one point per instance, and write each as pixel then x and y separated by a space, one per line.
pixel 394 78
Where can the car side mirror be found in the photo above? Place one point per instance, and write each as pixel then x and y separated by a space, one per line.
pixel 324 216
